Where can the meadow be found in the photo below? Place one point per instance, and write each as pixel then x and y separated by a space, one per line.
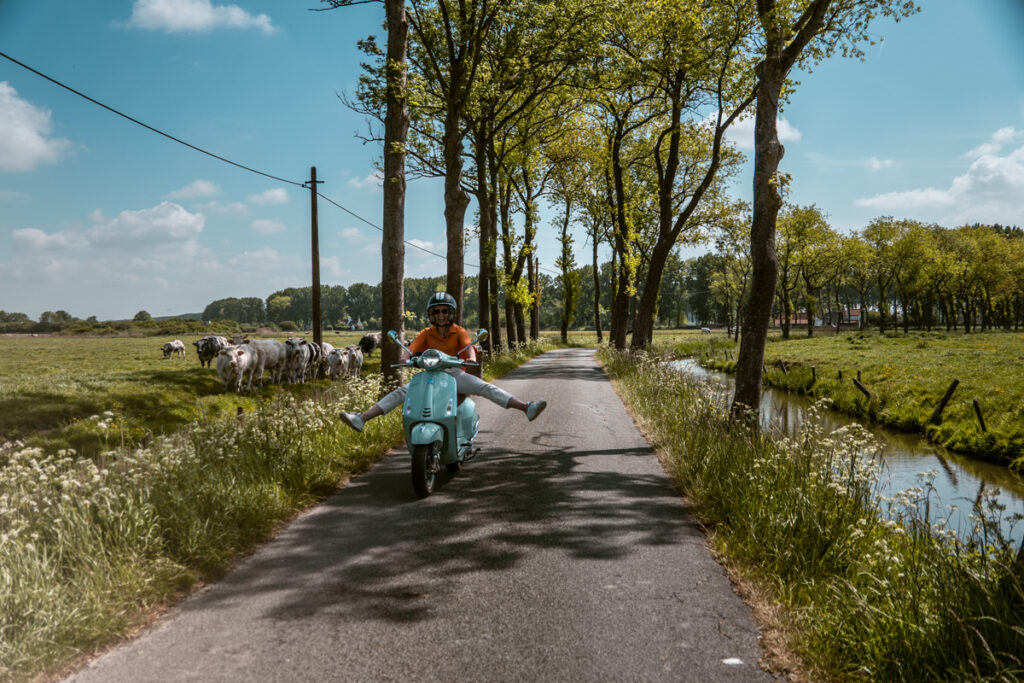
pixel 126 480
pixel 849 583
pixel 907 376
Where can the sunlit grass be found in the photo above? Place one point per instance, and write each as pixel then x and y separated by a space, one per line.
pixel 907 375
pixel 876 587
pixel 91 543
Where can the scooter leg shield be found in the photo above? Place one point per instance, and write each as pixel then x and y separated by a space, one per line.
pixel 426 433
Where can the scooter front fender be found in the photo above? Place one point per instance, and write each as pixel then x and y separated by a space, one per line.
pixel 425 433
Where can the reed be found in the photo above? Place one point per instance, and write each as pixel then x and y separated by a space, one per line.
pixel 874 585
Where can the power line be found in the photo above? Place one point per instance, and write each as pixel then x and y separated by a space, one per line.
pixel 148 127
pixel 225 160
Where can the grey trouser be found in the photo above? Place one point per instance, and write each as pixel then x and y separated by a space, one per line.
pixel 464 382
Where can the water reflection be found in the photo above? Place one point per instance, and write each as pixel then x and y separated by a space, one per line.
pixel 960 479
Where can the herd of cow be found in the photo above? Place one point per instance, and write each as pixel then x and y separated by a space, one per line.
pixel 239 361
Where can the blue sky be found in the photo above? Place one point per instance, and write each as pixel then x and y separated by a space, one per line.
pixel 99 216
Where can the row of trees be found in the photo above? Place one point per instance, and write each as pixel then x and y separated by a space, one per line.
pixel 616 112
pixel 904 272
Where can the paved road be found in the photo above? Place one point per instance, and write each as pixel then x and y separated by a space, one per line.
pixel 562 553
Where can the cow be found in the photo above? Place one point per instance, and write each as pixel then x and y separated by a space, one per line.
pixel 337 363
pixel 355 360
pixel 234 364
pixel 705 330
pixel 322 369
pixel 369 342
pixel 208 347
pixel 299 355
pixel 270 355
pixel 172 348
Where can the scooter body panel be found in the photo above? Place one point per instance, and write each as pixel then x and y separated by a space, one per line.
pixel 431 413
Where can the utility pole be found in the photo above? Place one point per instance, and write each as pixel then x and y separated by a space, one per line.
pixel 317 326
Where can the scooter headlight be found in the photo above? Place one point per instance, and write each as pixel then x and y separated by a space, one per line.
pixel 430 359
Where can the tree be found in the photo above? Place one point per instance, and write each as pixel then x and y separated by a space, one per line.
pixel 793 32
pixel 140 317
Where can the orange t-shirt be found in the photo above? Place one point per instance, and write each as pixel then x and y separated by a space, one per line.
pixel 430 338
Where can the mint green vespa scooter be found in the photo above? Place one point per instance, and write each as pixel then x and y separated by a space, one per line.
pixel 439 429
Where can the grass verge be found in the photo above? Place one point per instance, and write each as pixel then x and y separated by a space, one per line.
pixel 92 547
pixel 873 587
pixel 907 376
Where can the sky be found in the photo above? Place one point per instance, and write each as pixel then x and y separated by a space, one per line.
pixel 102 217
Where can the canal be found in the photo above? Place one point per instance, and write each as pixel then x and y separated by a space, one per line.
pixel 907 457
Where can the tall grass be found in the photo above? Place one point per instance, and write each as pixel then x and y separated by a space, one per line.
pixel 907 375
pixel 91 544
pixel 875 586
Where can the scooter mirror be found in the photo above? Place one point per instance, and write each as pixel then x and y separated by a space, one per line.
pixel 481 335
pixel 391 335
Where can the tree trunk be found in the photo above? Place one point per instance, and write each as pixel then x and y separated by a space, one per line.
pixel 455 202
pixel 597 292
pixel 396 126
pixel 535 302
pixel 623 277
pixel 486 245
pixel 643 325
pixel 768 152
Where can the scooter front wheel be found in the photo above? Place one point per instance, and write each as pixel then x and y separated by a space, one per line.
pixel 426 459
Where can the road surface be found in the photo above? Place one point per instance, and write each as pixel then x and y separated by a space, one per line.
pixel 562 553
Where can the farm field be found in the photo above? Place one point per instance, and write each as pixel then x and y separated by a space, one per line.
pixel 52 387
pixel 907 376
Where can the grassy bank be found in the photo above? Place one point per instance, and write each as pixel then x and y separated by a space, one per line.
pixel 865 597
pixel 907 376
pixel 91 546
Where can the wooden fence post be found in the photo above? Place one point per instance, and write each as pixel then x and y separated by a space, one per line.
pixel 977 411
pixel 937 414
pixel 860 386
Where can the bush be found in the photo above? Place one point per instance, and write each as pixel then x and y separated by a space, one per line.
pixel 288 326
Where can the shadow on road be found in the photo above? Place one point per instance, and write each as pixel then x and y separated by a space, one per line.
pixel 375 552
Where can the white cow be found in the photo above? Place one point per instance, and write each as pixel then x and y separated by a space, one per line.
pixel 270 355
pixel 337 363
pixel 322 366
pixel 172 348
pixel 705 330
pixel 299 355
pixel 234 364
pixel 355 360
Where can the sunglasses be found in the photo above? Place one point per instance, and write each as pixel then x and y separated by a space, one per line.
pixel 436 311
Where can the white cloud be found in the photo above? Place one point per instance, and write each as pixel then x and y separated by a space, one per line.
pixel 429 246
pixel 267 226
pixel 35 239
pixel 10 195
pixel 991 190
pixel 229 208
pixel 194 16
pixel 352 235
pixel 995 144
pixel 24 134
pixel 277 195
pixel 741 132
pixel 373 182
pixel 876 164
pixel 166 222
pixel 195 190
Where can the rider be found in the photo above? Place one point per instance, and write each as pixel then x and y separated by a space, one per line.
pixel 449 338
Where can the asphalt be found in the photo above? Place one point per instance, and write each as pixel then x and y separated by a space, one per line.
pixel 561 553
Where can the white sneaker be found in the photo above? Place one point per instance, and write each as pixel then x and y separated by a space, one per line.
pixel 353 420
pixel 534 409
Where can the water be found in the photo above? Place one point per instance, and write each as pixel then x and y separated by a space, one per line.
pixel 959 481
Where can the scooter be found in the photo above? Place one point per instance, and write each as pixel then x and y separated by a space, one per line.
pixel 439 428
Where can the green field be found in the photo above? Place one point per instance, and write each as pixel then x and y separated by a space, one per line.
pixel 52 387
pixel 907 376
pixel 125 479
